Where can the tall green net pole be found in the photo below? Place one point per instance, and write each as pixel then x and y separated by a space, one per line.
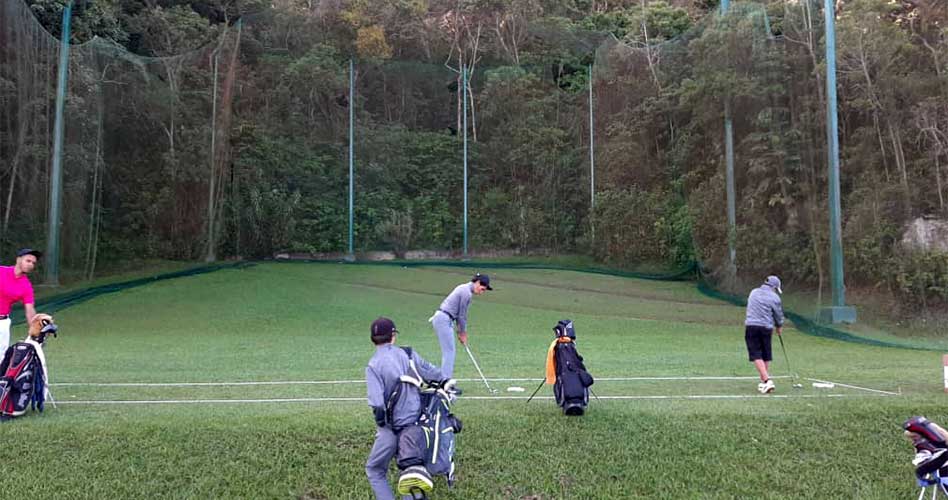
pixel 839 312
pixel 592 159
pixel 729 180
pixel 351 254
pixel 731 190
pixel 211 255
pixel 464 98
pixel 56 184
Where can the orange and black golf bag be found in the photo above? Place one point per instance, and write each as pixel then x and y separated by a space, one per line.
pixel 566 371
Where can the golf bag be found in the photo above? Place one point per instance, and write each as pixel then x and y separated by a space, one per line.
pixel 931 449
pixel 571 388
pixel 431 442
pixel 24 379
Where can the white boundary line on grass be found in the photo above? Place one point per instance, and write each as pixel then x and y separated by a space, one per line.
pixel 479 398
pixel 340 382
pixel 888 393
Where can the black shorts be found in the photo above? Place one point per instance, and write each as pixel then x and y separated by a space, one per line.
pixel 758 339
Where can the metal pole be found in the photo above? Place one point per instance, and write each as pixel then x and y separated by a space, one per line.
pixel 351 255
pixel 592 157
pixel 729 180
pixel 211 255
pixel 731 189
pixel 839 312
pixel 464 84
pixel 55 196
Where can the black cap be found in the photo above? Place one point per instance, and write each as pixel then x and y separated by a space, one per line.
pixel 29 251
pixel 483 279
pixel 383 328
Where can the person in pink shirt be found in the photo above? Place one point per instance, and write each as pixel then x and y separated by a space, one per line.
pixel 15 287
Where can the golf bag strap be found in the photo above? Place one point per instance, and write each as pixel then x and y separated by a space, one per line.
pixel 404 380
pixel 416 380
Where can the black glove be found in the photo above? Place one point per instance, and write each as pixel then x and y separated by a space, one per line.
pixel 379 414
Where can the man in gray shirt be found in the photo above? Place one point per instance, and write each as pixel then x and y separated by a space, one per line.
pixel 764 314
pixel 453 309
pixel 396 404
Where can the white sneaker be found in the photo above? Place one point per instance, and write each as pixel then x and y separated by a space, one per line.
pixel 768 387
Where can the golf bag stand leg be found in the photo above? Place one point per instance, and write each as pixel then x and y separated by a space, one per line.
pixel 536 391
pixel 936 487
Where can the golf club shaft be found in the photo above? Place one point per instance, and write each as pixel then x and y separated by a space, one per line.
pixel 469 353
pixel 793 377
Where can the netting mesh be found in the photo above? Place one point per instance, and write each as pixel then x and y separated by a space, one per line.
pixel 145 145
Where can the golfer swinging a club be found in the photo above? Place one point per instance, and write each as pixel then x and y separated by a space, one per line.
pixel 764 316
pixel 454 310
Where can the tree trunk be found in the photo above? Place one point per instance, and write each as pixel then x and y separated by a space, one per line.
pixel 941 198
pixel 896 138
pixel 885 159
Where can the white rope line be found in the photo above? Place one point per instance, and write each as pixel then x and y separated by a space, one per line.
pixel 207 401
pixel 888 393
pixel 478 398
pixel 341 382
pixel 362 382
pixel 205 384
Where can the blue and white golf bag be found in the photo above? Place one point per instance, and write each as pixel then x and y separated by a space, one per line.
pixel 431 442
pixel 439 426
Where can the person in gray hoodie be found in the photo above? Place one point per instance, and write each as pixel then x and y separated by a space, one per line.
pixel 764 316
pixel 392 379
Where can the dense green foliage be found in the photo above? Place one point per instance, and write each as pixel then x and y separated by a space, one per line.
pixel 268 81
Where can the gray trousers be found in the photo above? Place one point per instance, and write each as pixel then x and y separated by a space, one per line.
pixel 376 467
pixel 444 329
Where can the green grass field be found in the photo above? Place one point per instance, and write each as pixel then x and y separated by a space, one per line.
pixel 658 432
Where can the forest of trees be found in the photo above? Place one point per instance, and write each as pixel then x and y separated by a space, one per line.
pixel 216 129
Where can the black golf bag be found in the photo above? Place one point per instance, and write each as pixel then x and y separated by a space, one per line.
pixel 931 450
pixel 571 388
pixel 23 381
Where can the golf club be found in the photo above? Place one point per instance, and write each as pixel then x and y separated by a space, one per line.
pixel 793 376
pixel 469 353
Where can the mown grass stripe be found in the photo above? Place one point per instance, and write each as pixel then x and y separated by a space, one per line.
pixel 341 382
pixel 465 398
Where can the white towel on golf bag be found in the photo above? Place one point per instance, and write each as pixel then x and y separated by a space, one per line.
pixel 42 357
